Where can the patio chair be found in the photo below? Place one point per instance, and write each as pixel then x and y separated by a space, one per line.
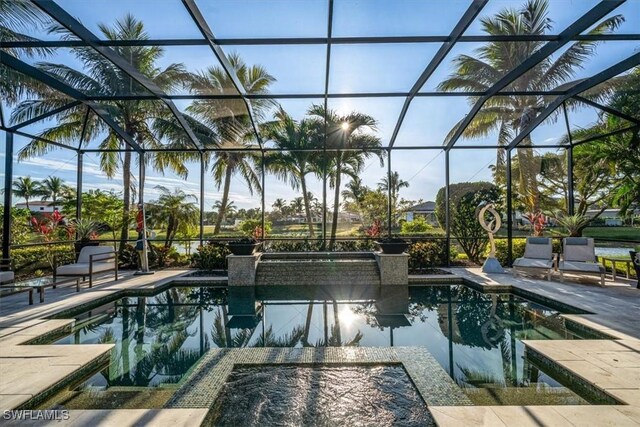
pixel 6 272
pixel 579 257
pixel 538 256
pixel 92 260
pixel 635 258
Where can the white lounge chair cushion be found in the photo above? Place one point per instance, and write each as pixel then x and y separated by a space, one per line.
pixel 538 248
pixel 6 276
pixel 586 267
pixel 579 249
pixel 82 268
pixel 87 251
pixel 533 263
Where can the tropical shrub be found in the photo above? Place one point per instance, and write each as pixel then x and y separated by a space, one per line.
pixel 210 256
pixel 20 225
pixel 248 227
pixel 418 225
pixel 464 199
pixel 428 254
pixel 30 259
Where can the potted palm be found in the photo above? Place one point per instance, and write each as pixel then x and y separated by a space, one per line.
pixel 86 233
pixel 246 245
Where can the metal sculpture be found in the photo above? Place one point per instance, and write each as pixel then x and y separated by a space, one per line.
pixel 491 264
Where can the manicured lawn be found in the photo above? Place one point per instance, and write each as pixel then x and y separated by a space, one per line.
pixel 622 233
pixel 613 233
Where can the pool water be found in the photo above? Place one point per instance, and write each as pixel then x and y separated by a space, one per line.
pixel 476 337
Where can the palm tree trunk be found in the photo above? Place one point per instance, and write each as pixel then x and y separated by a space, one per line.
pixel 307 208
pixel 225 197
pixel 336 204
pixel 167 239
pixel 126 198
pixel 528 176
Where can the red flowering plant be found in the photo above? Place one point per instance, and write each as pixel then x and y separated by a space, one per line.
pixel 257 233
pixel 50 228
pixel 374 230
pixel 538 222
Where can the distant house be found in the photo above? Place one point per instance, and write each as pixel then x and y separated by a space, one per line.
pixel 426 210
pixel 39 206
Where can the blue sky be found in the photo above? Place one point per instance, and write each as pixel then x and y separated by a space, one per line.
pixel 355 68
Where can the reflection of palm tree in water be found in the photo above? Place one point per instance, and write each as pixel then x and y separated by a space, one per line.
pixel 168 322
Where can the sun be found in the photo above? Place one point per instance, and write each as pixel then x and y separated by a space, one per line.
pixel 345 126
pixel 347 316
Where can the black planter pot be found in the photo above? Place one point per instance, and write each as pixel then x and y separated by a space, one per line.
pixel 243 248
pixel 393 247
pixel 82 243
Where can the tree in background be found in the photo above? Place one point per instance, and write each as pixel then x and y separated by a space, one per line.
pixel 174 212
pixel 509 115
pixel 102 207
pixel 103 78
pixel 465 198
pixel 228 120
pixel 26 188
pixel 293 166
pixel 53 188
pixel 395 184
pixel 350 132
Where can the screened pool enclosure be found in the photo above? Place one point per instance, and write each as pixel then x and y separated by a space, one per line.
pixel 325 121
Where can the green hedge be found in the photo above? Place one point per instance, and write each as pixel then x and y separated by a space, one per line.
pixel 28 260
pixel 210 256
pixel 428 254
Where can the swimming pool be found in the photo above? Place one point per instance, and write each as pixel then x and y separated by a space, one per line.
pixel 476 337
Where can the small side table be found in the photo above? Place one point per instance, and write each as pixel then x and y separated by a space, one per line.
pixel 39 284
pixel 615 260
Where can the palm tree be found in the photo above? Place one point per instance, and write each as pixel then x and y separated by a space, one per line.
pixel 175 211
pixel 509 115
pixel 344 132
pixel 52 188
pixel 26 188
pixel 278 204
pixel 393 184
pixel 103 78
pixel 297 205
pixel 294 166
pixel 18 18
pixel 229 121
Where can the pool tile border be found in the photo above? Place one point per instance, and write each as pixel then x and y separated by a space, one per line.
pixel 207 380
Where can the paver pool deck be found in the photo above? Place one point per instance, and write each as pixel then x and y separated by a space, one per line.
pixel 611 365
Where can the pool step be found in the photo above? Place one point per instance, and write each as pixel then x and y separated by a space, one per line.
pixel 318 271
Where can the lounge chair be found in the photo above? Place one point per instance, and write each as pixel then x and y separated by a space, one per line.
pixel 635 258
pixel 538 256
pixel 579 257
pixel 6 273
pixel 92 260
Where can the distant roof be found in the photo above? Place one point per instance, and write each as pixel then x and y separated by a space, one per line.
pixel 423 207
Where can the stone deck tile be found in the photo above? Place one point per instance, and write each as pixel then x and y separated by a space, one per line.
pixel 125 418
pixel 465 416
pixel 530 416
